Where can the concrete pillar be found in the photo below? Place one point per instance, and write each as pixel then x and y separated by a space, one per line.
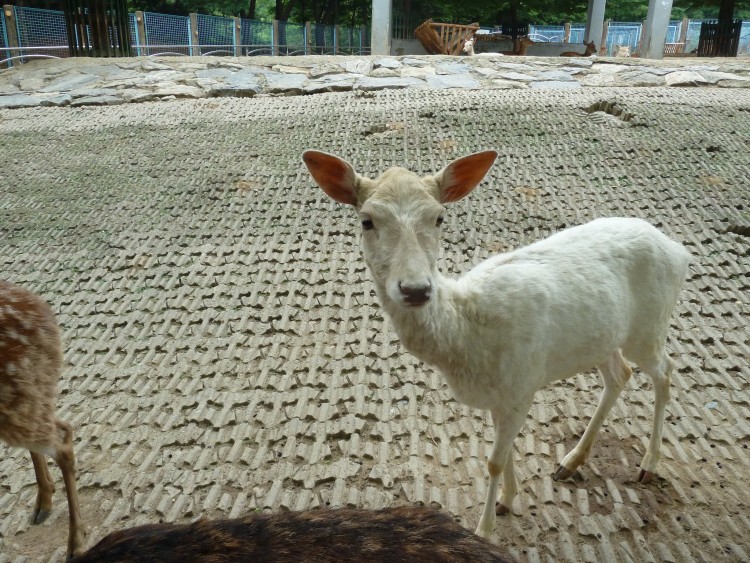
pixel 595 23
pixel 655 30
pixel 381 27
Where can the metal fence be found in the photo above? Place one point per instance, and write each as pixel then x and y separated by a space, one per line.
pixel 618 34
pixel 42 33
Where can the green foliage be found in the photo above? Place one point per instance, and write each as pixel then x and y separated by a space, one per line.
pixel 487 13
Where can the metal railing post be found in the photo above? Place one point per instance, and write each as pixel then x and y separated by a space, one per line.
pixel 274 38
pixel 140 24
pixel 603 50
pixel 193 34
pixel 237 37
pixel 11 29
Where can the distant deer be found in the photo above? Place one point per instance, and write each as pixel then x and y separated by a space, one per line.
pixel 590 50
pixel 30 365
pixel 406 533
pixel 520 48
pixel 469 49
pixel 623 51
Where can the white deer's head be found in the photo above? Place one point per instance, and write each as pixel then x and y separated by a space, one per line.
pixel 401 215
pixel 469 46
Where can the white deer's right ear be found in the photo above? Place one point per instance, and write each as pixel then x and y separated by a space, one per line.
pixel 456 180
pixel 335 176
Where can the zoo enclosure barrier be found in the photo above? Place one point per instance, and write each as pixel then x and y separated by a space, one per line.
pixel 682 35
pixel 26 33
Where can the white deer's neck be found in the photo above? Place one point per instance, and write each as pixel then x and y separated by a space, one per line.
pixel 434 331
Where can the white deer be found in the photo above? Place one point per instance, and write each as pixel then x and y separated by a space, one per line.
pixel 30 365
pixel 584 297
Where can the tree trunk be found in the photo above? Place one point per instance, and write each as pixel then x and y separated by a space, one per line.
pixel 251 10
pixel 283 11
pixel 726 11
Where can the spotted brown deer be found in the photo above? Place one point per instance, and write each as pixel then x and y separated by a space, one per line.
pixel 30 366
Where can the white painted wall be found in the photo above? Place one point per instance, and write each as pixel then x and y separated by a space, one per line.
pixel 595 22
pixel 382 11
pixel 655 29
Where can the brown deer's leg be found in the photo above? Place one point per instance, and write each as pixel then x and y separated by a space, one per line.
pixel 66 460
pixel 45 488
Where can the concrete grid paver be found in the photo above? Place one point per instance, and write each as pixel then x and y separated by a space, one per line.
pixel 225 351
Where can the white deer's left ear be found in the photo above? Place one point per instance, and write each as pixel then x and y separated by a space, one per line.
pixel 461 176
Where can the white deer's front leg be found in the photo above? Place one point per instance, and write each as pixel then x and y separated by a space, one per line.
pixel 507 424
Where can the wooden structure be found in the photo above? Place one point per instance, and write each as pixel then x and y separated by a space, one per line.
pixel 444 38
pixel 98 28
pixel 719 38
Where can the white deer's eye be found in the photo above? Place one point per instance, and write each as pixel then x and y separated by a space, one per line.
pixel 439 221
pixel 367 224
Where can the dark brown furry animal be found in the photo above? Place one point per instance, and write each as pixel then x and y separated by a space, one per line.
pixel 401 534
pixel 590 50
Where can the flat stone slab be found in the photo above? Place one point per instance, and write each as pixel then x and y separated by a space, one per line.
pixel 555 84
pixel 285 83
pixel 452 81
pixel 68 83
pixel 137 80
pixel 684 78
pixel 368 83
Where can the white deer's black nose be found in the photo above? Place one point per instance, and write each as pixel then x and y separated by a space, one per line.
pixel 415 293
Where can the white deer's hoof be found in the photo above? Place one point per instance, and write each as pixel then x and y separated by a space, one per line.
pixel 646 476
pixel 483 532
pixel 563 473
pixel 501 509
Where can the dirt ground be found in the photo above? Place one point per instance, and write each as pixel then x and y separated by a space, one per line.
pixel 225 351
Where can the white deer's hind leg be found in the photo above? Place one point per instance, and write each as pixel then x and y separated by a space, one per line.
pixel 661 372
pixel 615 374
pixel 507 424
pixel 510 488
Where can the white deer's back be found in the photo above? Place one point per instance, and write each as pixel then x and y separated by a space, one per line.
pixel 570 299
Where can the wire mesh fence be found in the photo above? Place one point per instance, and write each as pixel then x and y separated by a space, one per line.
pixel 257 37
pixel 547 33
pixel 166 33
pixel 292 38
pixel 324 39
pixel 43 33
pixel 216 36
pixel 623 34
pixel 38 32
